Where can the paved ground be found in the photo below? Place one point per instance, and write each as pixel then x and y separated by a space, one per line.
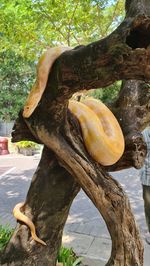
pixel 85 230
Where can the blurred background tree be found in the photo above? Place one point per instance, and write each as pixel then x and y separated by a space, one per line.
pixel 28 27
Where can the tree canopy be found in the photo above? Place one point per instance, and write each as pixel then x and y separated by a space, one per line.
pixel 28 27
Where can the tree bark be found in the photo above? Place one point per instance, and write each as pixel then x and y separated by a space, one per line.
pixel 105 193
pixel 124 54
pixel 132 111
pixel 49 199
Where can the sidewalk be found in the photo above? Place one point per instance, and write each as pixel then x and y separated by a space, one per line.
pixel 85 230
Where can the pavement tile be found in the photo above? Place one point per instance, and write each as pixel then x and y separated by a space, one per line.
pixel 84 228
pixel 100 249
pixel 146 254
pixel 92 262
pixel 7 219
pixel 80 243
pixel 3 169
pixel 99 229
pixel 72 227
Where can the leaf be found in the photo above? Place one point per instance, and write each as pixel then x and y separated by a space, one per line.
pixel 77 261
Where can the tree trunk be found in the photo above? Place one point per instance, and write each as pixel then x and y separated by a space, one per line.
pixel 107 196
pixel 124 54
pixel 48 202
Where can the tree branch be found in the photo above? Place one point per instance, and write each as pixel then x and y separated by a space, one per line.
pixel 137 7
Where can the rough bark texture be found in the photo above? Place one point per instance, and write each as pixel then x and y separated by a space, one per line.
pixel 125 54
pixel 49 199
pixel 132 111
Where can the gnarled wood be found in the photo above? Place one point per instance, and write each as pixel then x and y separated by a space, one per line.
pixel 124 54
pixel 132 111
pixel 105 193
pixel 49 199
pixel 125 108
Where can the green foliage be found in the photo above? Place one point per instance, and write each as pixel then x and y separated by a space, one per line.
pixel 33 25
pixel 108 94
pixel 68 258
pixel 66 255
pixel 27 144
pixel 28 27
pixel 147 85
pixel 5 234
pixel 16 78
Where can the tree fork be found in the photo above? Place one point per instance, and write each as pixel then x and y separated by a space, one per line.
pixel 71 136
pixel 105 193
pixel 119 56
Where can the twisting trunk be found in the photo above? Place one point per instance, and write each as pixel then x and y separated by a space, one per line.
pixel 48 201
pixel 124 54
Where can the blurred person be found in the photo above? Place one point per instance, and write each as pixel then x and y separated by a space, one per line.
pixel 145 181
